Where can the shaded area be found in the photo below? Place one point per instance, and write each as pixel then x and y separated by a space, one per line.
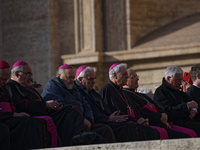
pixel 182 31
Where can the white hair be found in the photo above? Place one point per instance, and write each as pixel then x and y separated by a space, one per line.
pixel 172 71
pixel 83 72
pixel 116 69
pixel 60 71
pixel 17 68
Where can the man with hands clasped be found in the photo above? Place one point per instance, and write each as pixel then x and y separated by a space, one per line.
pixel 181 110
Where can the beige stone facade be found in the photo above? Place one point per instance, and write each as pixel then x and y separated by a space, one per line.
pixel 147 35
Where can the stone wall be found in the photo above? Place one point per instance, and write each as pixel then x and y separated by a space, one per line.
pixel 25 35
pixel 147 35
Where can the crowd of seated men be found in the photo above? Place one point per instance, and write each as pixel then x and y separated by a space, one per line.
pixel 68 111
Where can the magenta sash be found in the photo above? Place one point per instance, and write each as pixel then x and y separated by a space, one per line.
pixel 5 107
pixel 151 107
pixel 163 133
pixel 190 132
pixel 51 128
pixel 184 130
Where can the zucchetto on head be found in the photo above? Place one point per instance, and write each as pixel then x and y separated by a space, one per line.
pixel 4 64
pixel 65 66
pixel 80 69
pixel 113 65
pixel 19 63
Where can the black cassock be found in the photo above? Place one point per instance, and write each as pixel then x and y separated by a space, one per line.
pixel 68 120
pixel 174 103
pixel 112 97
pixel 194 94
pixel 142 105
pixel 25 132
pixel 4 137
pixel 124 131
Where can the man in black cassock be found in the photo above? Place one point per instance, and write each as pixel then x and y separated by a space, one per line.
pixel 112 95
pixel 145 107
pixel 68 120
pixel 60 88
pixel 181 111
pixel 124 130
pixel 25 132
pixel 194 90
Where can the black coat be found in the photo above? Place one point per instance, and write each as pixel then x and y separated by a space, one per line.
pixel 194 94
pixel 174 102
pixel 56 90
pixel 68 120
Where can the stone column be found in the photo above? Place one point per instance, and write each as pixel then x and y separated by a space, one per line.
pixel 115 25
pixel 84 26
pixel 25 32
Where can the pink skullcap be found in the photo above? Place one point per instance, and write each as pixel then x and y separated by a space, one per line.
pixel 80 69
pixel 19 63
pixel 65 66
pixel 113 65
pixel 4 64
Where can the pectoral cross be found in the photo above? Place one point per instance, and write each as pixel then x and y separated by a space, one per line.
pixel 150 104
pixel 129 107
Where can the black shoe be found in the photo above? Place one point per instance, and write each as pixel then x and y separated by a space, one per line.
pixel 83 138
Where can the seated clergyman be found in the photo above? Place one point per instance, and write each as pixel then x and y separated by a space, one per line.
pixel 68 120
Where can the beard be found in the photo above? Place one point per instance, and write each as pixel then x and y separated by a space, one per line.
pixel 69 86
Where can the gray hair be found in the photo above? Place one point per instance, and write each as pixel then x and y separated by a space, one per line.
pixel 116 69
pixel 83 72
pixel 60 71
pixel 172 71
pixel 17 68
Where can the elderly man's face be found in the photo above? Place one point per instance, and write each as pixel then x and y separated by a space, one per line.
pixel 68 78
pixel 89 80
pixel 175 82
pixel 25 76
pixel 132 81
pixel 4 76
pixel 121 77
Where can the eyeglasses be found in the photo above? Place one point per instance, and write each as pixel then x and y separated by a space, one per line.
pixel 88 78
pixel 26 73
pixel 134 77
